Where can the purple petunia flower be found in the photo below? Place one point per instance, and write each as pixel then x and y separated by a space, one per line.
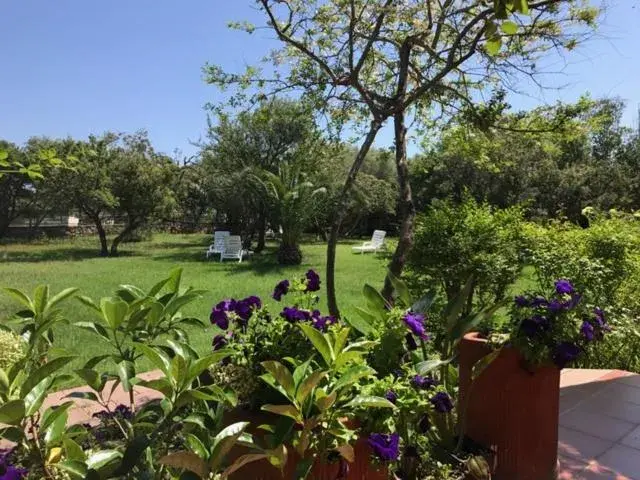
pixel 441 402
pixel 575 300
pixel 587 331
pixel 243 310
pixel 521 301
pixel 254 302
pixel 564 287
pixel 539 302
pixel 9 471
pixel 534 325
pixel 219 342
pixel 292 314
pixel 385 447
pixel 423 383
pixel 555 306
pixel 565 353
pixel 282 288
pixel 391 396
pixel 313 281
pixel 415 322
pixel 219 317
pixel 227 305
pixel 321 323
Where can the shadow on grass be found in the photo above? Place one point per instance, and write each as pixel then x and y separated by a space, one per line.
pixel 58 255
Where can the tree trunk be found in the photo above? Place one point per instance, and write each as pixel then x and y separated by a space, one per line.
pixel 262 230
pixel 104 246
pixel 406 208
pixel 339 212
pixel 116 241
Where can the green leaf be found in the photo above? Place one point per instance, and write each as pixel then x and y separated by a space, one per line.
pixel 92 378
pixel 401 289
pixel 454 308
pixel 196 445
pixel 126 372
pixel 223 442
pixel 466 324
pixel 319 340
pixel 84 396
pixel 187 461
pixel 242 461
pixel 173 282
pixel 308 384
pixel 341 340
pixel 282 375
pixel 325 402
pixel 483 363
pixel 202 364
pixel 300 370
pixel 20 297
pixel 424 304
pixel 45 371
pixel 133 452
pixel 76 469
pixel 53 434
pixel 493 45
pixel 66 293
pixel 157 357
pixel 352 375
pixel 284 410
pixel 364 324
pixel 34 399
pixel 12 434
pixel 375 300
pixel 114 311
pixel 102 458
pixel 521 6
pixel 87 301
pixel 509 27
pixel 370 401
pixel 40 298
pixel 72 450
pixel 52 414
pixel 427 366
pixel 12 412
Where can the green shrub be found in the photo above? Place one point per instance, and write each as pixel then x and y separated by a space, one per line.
pixel 11 349
pixel 453 242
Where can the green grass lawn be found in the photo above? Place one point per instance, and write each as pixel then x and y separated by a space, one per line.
pixel 74 263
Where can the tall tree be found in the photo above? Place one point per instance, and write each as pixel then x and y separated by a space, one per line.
pixel 399 59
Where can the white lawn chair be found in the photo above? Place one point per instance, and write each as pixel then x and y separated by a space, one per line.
pixel 218 243
pixel 232 248
pixel 376 243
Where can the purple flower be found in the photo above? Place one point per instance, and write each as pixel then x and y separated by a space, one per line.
pixel 219 317
pixel 587 331
pixel 565 353
pixel 8 471
pixel 555 306
pixel 219 342
pixel 243 310
pixel 424 424
pixel 534 325
pixel 573 303
pixel 254 302
pixel 423 383
pixel 441 402
pixel 564 287
pixel 385 447
pixel 282 288
pixel 415 322
pixel 539 302
pixel 227 305
pixel 293 315
pixel 313 281
pixel 521 301
pixel 321 323
pixel 391 396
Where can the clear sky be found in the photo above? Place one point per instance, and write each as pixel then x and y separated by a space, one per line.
pixel 75 67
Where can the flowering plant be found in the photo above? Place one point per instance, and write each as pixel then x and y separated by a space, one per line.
pixel 556 328
pixel 254 335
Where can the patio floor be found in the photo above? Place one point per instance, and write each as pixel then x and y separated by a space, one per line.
pixel 599 425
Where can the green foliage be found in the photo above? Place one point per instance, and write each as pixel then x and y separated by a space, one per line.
pixel 12 349
pixel 454 242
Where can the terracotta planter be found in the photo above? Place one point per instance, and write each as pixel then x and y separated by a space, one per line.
pixel 361 469
pixel 511 410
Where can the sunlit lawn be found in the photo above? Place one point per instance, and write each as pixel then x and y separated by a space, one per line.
pixel 74 263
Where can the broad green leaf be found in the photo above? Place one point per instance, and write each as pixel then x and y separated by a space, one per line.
pixel 12 412
pixel 4 381
pixel 87 301
pixel 12 434
pixel 320 342
pixel 352 375
pixel 424 304
pixel 84 396
pixel 156 356
pixel 364 324
pixel 72 450
pixel 133 452
pixel 94 328
pixel 308 384
pixel 493 46
pixel 45 371
pixel 454 308
pixel 196 445
pixel 40 298
pixel 223 442
pixel 53 433
pixel 114 311
pixel 427 366
pixel 173 282
pixel 157 287
pixel 76 469
pixel 370 401
pixel 325 402
pixel 52 413
pixel 202 364
pixel 509 27
pixel 102 458
pixel 341 340
pixel 59 297
pixel 483 363
pixel 34 399
pixel 187 461
pixel 242 461
pixel 126 372
pixel 521 6
pixel 376 302
pixel 401 289
pixel 466 324
pixel 300 370
pixel 20 297
pixel 282 376
pixel 92 378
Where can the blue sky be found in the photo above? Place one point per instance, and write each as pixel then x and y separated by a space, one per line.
pixel 75 67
